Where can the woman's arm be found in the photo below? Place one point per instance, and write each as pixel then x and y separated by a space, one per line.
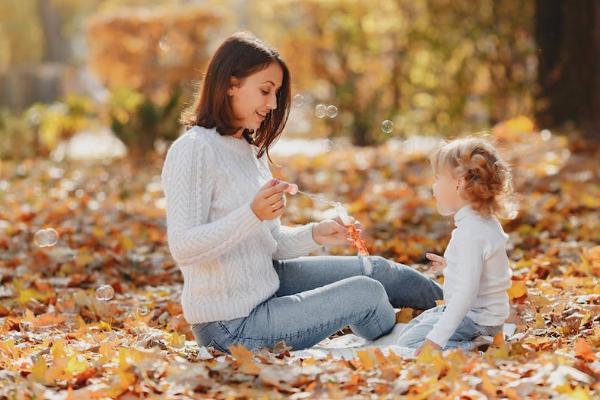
pixel 293 242
pixel 188 183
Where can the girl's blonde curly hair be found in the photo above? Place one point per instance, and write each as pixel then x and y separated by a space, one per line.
pixel 487 177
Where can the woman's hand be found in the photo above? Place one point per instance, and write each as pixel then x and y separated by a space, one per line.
pixel 269 203
pixel 333 232
pixel 433 345
pixel 437 262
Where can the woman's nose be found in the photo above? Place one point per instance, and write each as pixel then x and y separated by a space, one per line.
pixel 272 103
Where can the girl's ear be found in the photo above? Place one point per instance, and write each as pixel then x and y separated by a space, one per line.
pixel 234 85
pixel 460 183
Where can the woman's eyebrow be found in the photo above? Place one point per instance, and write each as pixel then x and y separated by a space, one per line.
pixel 271 82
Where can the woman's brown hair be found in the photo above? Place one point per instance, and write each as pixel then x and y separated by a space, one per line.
pixel 487 177
pixel 239 56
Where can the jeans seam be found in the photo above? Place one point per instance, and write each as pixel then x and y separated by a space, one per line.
pixel 299 333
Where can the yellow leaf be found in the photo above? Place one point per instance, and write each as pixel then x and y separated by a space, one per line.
pixel 58 349
pixel 518 289
pixel 431 356
pixel 245 358
pixel 83 259
pixel 241 353
pixel 27 294
pixel 128 356
pixel 309 361
pixel 404 315
pixel 499 348
pixel 127 243
pixel 486 385
pixel 177 340
pixel 579 393
pixel 38 370
pixel 98 232
pixel 76 364
pixel 539 321
pixel 367 361
pixel 105 326
pixel 107 352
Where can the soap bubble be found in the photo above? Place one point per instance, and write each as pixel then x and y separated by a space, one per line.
pixel 105 293
pixel 332 111
pixel 387 126
pixel 298 100
pixel 292 189
pixel 164 44
pixel 329 145
pixel 45 237
pixel 546 135
pixel 320 110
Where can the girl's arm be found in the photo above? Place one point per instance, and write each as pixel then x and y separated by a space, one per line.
pixel 188 183
pixel 470 259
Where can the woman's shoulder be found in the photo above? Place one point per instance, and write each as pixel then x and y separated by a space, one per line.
pixel 197 135
pixel 193 139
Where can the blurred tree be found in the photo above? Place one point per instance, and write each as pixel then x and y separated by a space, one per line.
pixel 568 38
pixel 431 66
pixel 56 48
pixel 150 50
pixel 21 38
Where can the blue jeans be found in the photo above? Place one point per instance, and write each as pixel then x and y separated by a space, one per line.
pixel 320 295
pixel 414 333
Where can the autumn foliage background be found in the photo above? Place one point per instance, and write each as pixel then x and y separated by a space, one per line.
pixel 433 68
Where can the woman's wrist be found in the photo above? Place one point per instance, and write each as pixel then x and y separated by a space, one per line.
pixel 315 234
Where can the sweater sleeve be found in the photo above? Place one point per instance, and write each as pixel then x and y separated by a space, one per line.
pixel 470 261
pixel 293 242
pixel 188 184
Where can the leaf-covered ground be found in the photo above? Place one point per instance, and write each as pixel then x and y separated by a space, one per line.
pixel 57 340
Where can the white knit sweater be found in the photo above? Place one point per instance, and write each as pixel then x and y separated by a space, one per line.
pixel 223 250
pixel 476 276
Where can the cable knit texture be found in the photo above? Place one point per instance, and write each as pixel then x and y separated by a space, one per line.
pixel 224 251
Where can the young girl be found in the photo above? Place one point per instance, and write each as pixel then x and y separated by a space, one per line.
pixel 473 184
pixel 245 281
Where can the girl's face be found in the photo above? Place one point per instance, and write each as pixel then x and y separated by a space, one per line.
pixel 446 192
pixel 255 96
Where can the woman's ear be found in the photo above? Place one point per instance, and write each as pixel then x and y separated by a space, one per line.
pixel 234 85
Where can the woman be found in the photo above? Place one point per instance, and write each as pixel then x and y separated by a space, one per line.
pixel 244 282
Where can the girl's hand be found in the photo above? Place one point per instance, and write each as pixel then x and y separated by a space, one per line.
pixel 269 203
pixel 437 262
pixel 433 345
pixel 330 232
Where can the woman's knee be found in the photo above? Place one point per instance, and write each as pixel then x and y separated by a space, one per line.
pixel 366 286
pixel 379 262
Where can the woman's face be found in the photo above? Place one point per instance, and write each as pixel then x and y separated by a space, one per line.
pixel 253 97
pixel 446 192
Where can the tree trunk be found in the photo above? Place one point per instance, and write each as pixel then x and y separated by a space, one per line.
pixel 568 40
pixel 56 48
